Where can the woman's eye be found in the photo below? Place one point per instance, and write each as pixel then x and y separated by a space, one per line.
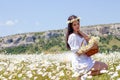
pixel 74 24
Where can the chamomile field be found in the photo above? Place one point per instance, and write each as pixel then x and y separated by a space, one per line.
pixel 53 67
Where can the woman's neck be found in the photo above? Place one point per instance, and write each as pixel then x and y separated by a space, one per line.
pixel 76 32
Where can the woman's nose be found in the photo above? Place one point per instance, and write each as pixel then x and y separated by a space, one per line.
pixel 77 26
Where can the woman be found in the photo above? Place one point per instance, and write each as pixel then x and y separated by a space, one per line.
pixel 81 63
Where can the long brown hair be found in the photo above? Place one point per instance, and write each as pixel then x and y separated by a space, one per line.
pixel 70 29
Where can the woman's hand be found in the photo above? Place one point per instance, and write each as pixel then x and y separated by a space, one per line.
pixel 83 52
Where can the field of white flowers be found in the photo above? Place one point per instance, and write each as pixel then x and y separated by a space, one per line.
pixel 52 67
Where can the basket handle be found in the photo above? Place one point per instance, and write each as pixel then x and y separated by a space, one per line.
pixel 82 43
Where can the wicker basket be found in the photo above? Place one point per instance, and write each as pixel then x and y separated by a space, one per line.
pixel 93 50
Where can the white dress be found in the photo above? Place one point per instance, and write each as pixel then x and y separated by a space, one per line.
pixel 81 64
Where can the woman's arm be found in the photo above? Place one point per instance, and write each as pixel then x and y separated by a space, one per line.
pixel 84 35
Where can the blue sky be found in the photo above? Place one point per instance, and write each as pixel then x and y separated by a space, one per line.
pixel 22 16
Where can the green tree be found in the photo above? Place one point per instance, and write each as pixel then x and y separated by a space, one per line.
pixel 114 47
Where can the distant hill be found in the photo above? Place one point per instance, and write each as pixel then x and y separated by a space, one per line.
pixel 53 41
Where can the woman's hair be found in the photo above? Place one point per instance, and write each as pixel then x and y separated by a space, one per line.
pixel 69 29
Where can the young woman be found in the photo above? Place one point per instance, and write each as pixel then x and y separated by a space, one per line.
pixel 81 63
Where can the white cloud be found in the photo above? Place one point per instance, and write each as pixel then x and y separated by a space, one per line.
pixel 0 23
pixel 37 23
pixel 9 23
pixel 16 21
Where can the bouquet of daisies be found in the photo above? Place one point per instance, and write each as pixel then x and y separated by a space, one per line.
pixel 91 48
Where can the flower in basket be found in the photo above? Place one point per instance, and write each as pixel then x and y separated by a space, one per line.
pixel 84 48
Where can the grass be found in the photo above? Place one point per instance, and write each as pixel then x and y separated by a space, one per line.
pixel 52 67
pixel 114 42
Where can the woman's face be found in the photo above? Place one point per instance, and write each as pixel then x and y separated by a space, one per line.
pixel 76 26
